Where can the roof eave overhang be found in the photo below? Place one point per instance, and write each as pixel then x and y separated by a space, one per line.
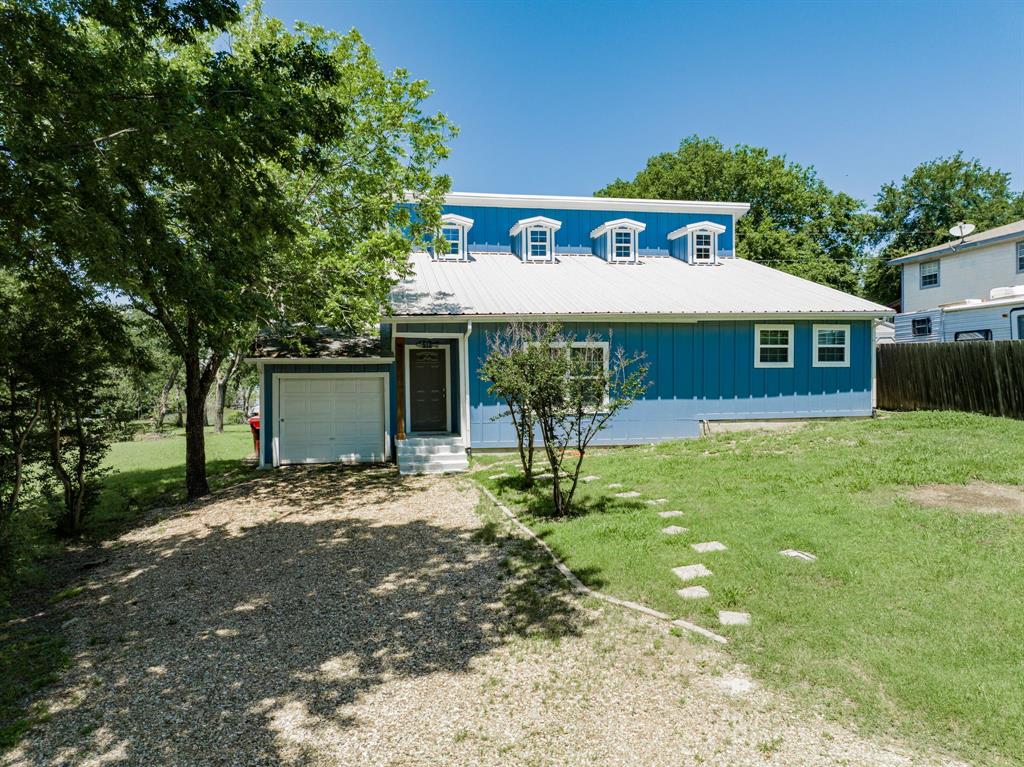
pixel 649 316
pixel 951 248
pixel 558 202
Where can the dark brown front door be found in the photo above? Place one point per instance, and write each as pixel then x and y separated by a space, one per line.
pixel 428 394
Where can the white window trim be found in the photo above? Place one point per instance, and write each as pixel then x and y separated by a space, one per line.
pixel 528 243
pixel 846 346
pixel 1019 252
pixel 713 255
pixel 757 346
pixel 463 224
pixel 631 257
pixel 921 274
pixel 603 345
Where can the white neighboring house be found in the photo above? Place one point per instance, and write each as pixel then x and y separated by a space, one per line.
pixel 966 290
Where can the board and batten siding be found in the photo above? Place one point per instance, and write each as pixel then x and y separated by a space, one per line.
pixel 699 371
pixel 267 397
pixel 491 225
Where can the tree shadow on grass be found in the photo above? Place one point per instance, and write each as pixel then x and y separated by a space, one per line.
pixel 261 617
pixel 536 501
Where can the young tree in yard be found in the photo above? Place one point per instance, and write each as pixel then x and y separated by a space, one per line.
pixel 220 189
pixel 796 223
pixel 507 371
pixel 224 378
pixel 573 390
pixel 918 212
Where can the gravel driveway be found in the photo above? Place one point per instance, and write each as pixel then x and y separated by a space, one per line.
pixel 330 616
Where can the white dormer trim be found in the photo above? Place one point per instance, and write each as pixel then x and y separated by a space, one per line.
pixel 461 250
pixel 619 223
pixel 692 232
pixel 535 222
pixel 709 226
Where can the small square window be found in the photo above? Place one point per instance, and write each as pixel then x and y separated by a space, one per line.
pixel 773 346
pixel 453 235
pixel 930 274
pixel 1020 256
pixel 921 326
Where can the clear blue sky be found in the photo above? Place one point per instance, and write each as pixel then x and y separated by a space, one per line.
pixel 561 98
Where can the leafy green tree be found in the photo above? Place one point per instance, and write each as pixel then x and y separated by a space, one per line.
pixel 917 213
pixel 572 394
pixel 507 370
pixel 796 223
pixel 218 190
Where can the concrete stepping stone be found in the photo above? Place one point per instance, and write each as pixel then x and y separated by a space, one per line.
pixel 628 494
pixel 804 555
pixel 693 592
pixel 730 618
pixel 703 548
pixel 590 478
pixel 689 572
pixel 673 530
pixel 656 501
pixel 614 485
pixel 500 475
pixel 669 514
pixel 543 477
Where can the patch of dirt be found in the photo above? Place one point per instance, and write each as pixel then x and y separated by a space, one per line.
pixel 979 497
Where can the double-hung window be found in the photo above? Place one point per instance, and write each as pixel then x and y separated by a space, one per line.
pixel 589 367
pixel 622 244
pixel 453 236
pixel 1020 256
pixel 831 346
pixel 702 247
pixel 773 346
pixel 539 245
pixel 929 274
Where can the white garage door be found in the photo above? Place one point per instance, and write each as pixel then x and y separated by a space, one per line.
pixel 329 418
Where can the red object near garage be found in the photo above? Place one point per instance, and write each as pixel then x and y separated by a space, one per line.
pixel 254 424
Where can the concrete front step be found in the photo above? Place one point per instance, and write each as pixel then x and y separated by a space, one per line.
pixel 431 455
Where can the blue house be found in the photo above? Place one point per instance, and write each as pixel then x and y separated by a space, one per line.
pixel 726 339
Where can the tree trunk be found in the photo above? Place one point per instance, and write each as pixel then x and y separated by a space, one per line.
pixel 198 378
pixel 160 411
pixel 223 379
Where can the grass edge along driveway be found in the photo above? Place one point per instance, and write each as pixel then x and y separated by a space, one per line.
pixel 911 618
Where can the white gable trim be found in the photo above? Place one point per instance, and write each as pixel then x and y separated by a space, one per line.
pixel 450 219
pixel 535 222
pixel 708 226
pixel 619 223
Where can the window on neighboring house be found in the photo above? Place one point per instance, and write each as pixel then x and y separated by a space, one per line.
pixel 702 246
pixel 1020 256
pixel 973 335
pixel 590 363
pixel 921 326
pixel 930 274
pixel 831 346
pixel 622 245
pixel 539 244
pixel 773 346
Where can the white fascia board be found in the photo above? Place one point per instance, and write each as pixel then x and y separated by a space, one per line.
pixel 647 317
pixel 488 200
pixel 700 225
pixel 321 360
pixel 452 219
pixel 535 221
pixel 619 223
pixel 985 304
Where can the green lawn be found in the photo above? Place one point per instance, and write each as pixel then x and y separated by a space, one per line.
pixel 147 472
pixel 912 616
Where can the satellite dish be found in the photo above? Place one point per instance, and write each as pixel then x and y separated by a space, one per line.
pixel 961 230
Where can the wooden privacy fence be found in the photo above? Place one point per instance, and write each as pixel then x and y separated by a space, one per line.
pixel 976 376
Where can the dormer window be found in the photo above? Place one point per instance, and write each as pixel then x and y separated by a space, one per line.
pixel 533 239
pixel 453 231
pixel 616 241
pixel 701 242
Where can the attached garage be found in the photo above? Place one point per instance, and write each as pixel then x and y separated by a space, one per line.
pixel 330 418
